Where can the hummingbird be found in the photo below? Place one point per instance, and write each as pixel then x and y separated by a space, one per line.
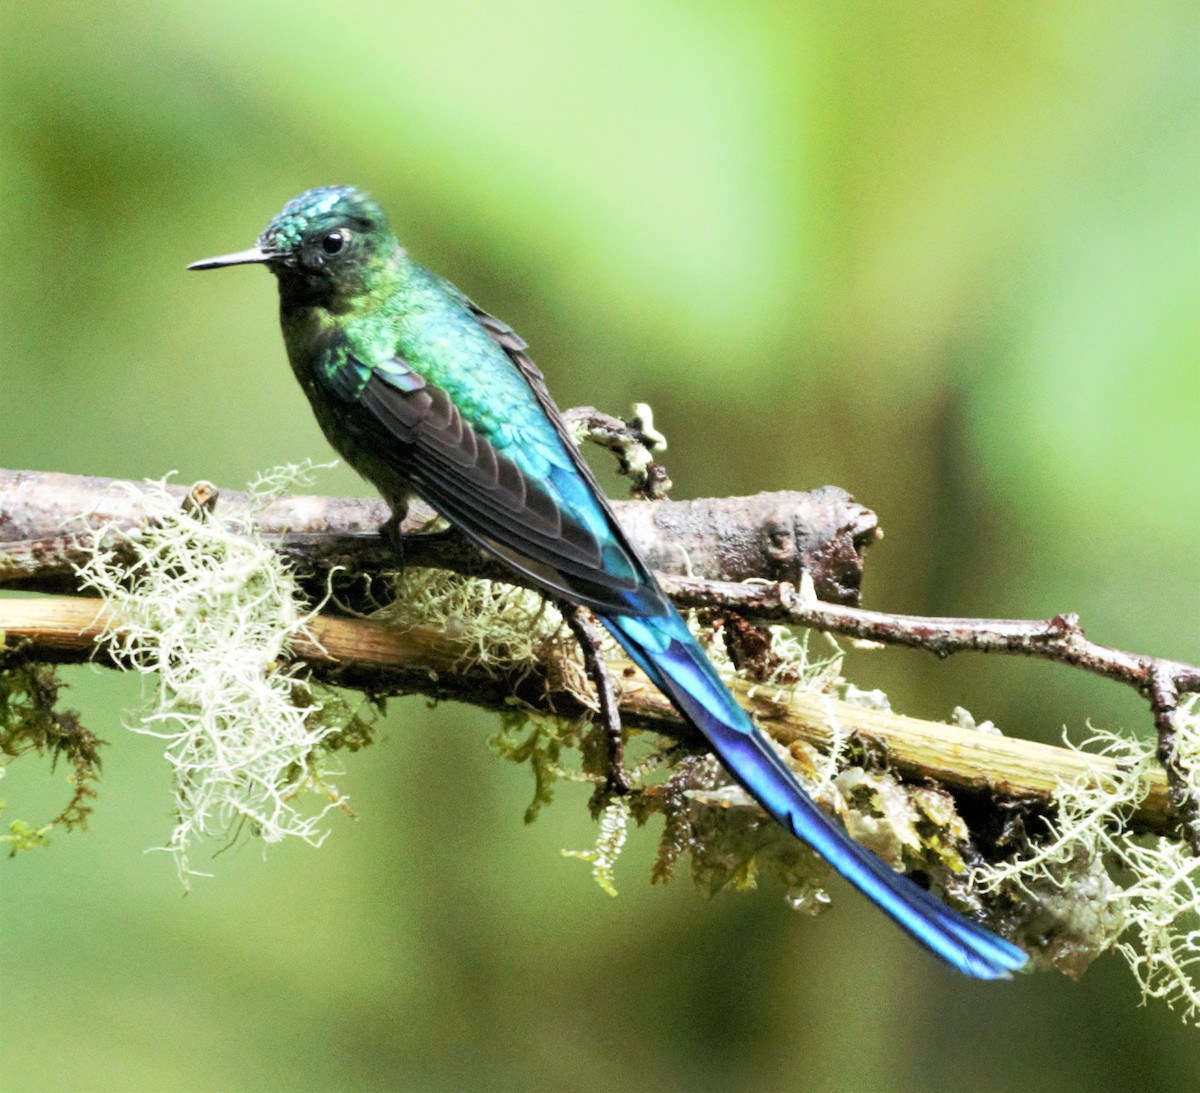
pixel 424 393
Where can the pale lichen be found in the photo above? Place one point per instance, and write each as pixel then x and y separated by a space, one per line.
pixel 209 611
pixel 1089 884
pixel 614 829
pixel 732 844
pixel 499 627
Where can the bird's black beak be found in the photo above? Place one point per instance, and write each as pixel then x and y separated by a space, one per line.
pixel 239 258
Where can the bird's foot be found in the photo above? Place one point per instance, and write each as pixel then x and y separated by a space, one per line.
pixel 391 533
pixel 616 784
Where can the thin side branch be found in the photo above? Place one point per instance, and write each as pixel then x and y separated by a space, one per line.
pixel 634 443
pixel 1060 638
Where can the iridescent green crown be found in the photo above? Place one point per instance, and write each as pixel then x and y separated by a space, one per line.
pixel 326 205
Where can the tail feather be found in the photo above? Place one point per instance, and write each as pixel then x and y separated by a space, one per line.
pixel 665 649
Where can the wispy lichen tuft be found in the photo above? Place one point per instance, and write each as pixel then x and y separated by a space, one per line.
pixel 210 612
pixel 505 631
pixel 1089 884
pixel 501 628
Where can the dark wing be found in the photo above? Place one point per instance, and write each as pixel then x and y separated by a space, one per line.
pixel 487 495
pixel 515 348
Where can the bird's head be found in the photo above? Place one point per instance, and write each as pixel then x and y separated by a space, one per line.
pixel 329 246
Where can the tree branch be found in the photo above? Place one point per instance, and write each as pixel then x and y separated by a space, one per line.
pixel 776 536
pixel 1060 639
pixel 381 659
pixel 772 537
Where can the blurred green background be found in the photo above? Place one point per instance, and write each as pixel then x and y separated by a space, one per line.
pixel 946 256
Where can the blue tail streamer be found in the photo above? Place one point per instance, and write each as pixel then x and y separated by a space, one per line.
pixel 664 648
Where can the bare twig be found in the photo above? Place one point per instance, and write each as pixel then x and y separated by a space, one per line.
pixel 1164 690
pixel 633 442
pixel 1059 639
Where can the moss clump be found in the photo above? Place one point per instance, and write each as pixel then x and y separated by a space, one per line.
pixel 32 723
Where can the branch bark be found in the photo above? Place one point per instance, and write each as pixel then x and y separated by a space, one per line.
pixel 381 659
pixel 775 536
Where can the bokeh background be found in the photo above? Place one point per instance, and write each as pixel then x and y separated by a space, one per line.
pixel 945 256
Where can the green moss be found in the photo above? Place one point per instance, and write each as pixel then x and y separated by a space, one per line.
pixel 32 724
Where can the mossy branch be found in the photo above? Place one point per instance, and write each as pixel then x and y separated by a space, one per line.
pixel 382 659
pixel 743 556
pixel 771 536
pixel 198 593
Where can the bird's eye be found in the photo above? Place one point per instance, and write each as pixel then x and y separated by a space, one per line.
pixel 335 241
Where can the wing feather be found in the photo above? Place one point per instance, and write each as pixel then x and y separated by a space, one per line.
pixel 515 347
pixel 487 495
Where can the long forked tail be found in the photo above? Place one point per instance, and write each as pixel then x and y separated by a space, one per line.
pixel 663 647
